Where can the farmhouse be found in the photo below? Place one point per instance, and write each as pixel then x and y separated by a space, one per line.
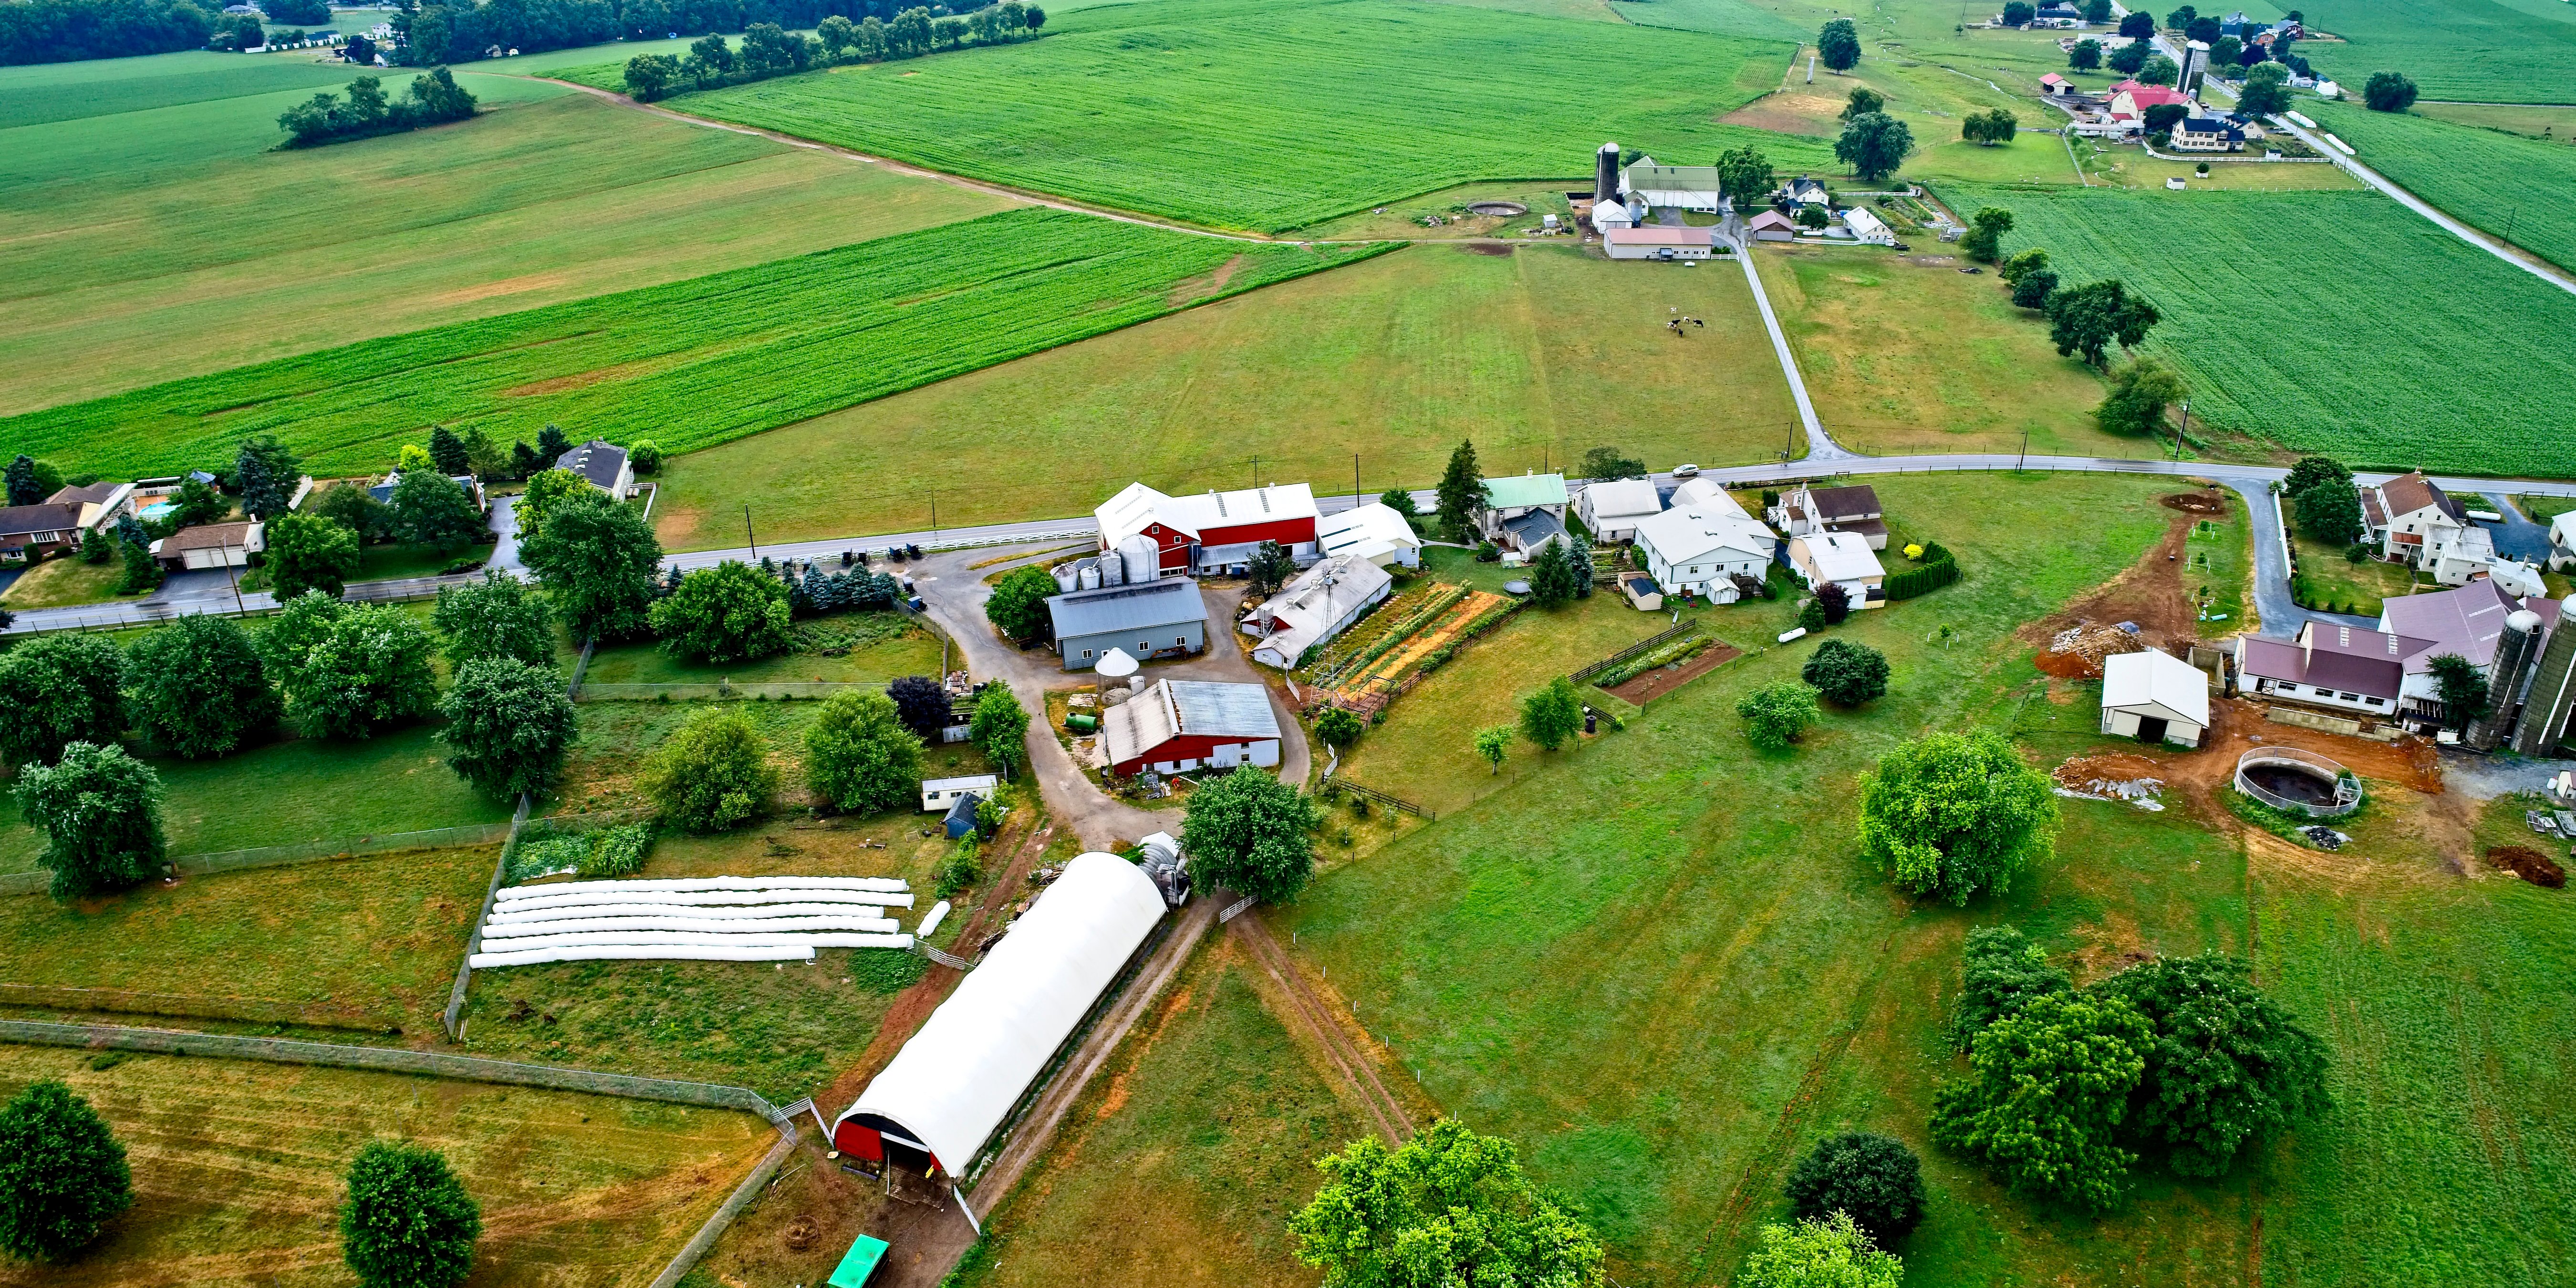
pixel 1660 242
pixel 2562 542
pixel 2207 134
pixel 1180 725
pixel 1685 187
pixel 1772 226
pixel 938 1103
pixel 383 493
pixel 937 794
pixel 2340 668
pixel 1524 512
pixel 101 504
pixel 601 464
pixel 32 532
pixel 1805 191
pixel 1868 228
pixel 1321 603
pixel 1843 558
pixel 1374 532
pixel 2153 696
pixel 210 545
pixel 1702 549
pixel 1164 618
pixel 1611 510
pixel 1211 532
pixel 1851 509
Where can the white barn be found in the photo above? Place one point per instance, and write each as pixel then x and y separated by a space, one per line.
pixel 1613 509
pixel 2154 696
pixel 1321 603
pixel 1374 532
pixel 1686 187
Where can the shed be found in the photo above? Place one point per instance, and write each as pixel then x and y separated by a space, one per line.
pixel 1162 618
pixel 1660 241
pixel 961 814
pixel 2153 696
pixel 938 794
pixel 950 1087
pixel 1642 592
pixel 1771 225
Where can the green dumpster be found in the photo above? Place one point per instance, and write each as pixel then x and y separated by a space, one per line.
pixel 859 1264
pixel 1081 723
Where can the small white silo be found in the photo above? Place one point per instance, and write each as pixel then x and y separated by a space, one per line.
pixel 1068 576
pixel 1143 557
pixel 1090 574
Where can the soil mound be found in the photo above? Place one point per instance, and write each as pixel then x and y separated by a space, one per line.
pixel 2112 776
pixel 2076 652
pixel 1486 248
pixel 2529 864
pixel 2195 502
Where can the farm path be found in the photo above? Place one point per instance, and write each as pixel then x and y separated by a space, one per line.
pixel 1307 1012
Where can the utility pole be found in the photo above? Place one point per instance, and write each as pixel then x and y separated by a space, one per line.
pixel 747 534
pixel 234 578
pixel 1256 471
pixel 1356 492
pixel 2186 428
pixel 2025 450
pixel 934 518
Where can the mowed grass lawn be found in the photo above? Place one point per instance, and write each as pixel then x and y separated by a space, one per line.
pixel 154 236
pixel 2505 183
pixel 238 1170
pixel 1537 355
pixel 893 647
pixel 2328 580
pixel 1252 116
pixel 2317 375
pixel 693 363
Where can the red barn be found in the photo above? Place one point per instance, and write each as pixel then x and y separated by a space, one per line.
pixel 1180 725
pixel 1214 531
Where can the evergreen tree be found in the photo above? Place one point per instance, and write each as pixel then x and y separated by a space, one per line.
pixel 408 1222
pixel 1552 580
pixel 1462 489
pixel 268 473
pixel 552 443
pixel 447 452
pixel 24 487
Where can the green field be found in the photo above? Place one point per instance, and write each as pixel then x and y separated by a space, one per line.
pixel 2507 184
pixel 1716 17
pixel 694 363
pixel 33 95
pixel 1250 116
pixel 1538 355
pixel 2340 368
pixel 891 647
pixel 2488 51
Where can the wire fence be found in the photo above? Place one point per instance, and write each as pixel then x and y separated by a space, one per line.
pixel 453 1015
pixel 276 856
pixel 1638 649
pixel 248 1010
pixel 721 691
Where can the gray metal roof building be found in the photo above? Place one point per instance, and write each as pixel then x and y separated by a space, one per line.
pixel 1149 619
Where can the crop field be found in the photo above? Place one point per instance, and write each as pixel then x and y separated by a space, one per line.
pixel 552 196
pixel 1716 17
pixel 1424 347
pixel 693 363
pixel 1249 116
pixel 238 1171
pixel 2491 51
pixel 33 95
pixel 2319 374
pixel 2488 178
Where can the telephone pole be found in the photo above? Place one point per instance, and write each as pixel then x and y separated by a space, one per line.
pixel 747 533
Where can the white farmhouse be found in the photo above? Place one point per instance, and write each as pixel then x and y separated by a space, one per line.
pixel 1700 550
pixel 1868 228
pixel 1612 509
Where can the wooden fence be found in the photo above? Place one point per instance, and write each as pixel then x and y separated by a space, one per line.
pixel 1638 649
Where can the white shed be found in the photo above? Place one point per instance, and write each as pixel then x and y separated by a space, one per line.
pixel 1612 509
pixel 1374 532
pixel 2154 696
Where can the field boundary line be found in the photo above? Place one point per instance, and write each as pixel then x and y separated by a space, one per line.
pixel 294 855
pixel 1355 1066
pixel 453 1015
pixel 722 1218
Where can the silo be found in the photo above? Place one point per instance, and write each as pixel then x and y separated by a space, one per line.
pixel 2516 649
pixel 1605 173
pixel 1113 570
pixel 1091 574
pixel 1068 576
pixel 2550 707
pixel 1144 558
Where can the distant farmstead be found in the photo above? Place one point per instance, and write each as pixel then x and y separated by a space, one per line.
pixel 1211 532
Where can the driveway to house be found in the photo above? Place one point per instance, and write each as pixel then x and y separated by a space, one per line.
pixel 2517 537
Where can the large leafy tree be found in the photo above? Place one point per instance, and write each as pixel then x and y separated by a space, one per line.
pixel 1018 607
pixel 733 612
pixel 1746 176
pixel 1607 462
pixel 860 757
pixel 2329 512
pixel 510 726
pixel 349 670
pixel 408 1222
pixel 1000 727
pixel 2158 70
pixel 267 472
pixel 596 559
pixel 62 1173
pixel 1833 1251
pixel 2138 24
pixel 1984 239
pixel 545 490
pixel 1448 1207
pixel 2312 470
pixel 1838 45
pixel 59 689
pixel 198 687
pixel 348 505
pixel 2462 688
pixel 2085 56
pixel 1873 1178
pixel 2140 392
pixel 2267 90
pixel 1552 716
pixel 431 510
pixel 1956 815
pixel 2388 92
pixel 1847 674
pixel 309 553
pixel 2088 319
pixel 197 502
pixel 1775 715
pixel 2047 1090
pixel 921 702
pixel 1861 101
pixel 1462 488
pixel 498 616
pixel 712 774
pixel 1873 144
pixel 1248 832
pixel 100 811
pixel 2001 972
pixel 2228 1066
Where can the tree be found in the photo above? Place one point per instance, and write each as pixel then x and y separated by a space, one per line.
pixel 1462 488
pixel 1578 557
pixel 713 773
pixel 1551 576
pixel 1018 607
pixel 197 686
pixel 1989 128
pixel 2223 52
pixel 837 34
pixel 646 455
pixel 1552 716
pixel 2018 13
pixel 431 510
pixel 1401 501
pixel 1000 727
pixel 2088 319
pixel 100 811
pixel 2086 56
pixel 2047 1089
pixel 1492 742
pixel 1847 674
pixel 2329 512
pixel 733 612
pixel 1814 217
pixel 447 452
pixel 2130 57
pixel 1833 1252
pixel 2202 29
pixel 1247 831
pixel 511 725
pixel 1873 144
pixel 1835 600
pixel 596 559
pixel 1775 715
pixel 24 487
pixel 1956 815
pixel 197 502
pixel 2157 70
pixel 348 505
pixel 268 474
pixel 1838 44
pixel 1984 239
pixel 2266 92
pixel 546 489
pixel 1999 974
pixel 2022 264
pixel 62 1173
pixel 553 442
pixel 2138 25
pixel 2097 11
pixel 2140 392
pixel 1746 176
pixel 349 670
pixel 2312 470
pixel 2388 92
pixel 1861 102
pixel 1447 1207
pixel 707 61
pixel 408 1222
pixel 2181 19
pixel 650 76
pixel 309 554
pixel 921 702
pixel 2034 288
pixel 2227 1066
pixel 1338 727
pixel 56 690
pixel 1812 617
pixel 498 616
pixel 2462 687
pixel 1873 1179
pixel 1269 568
pixel 1606 462
pixel 859 757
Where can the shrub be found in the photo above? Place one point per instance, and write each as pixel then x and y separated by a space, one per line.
pixel 962 868
pixel 1775 715
pixel 407 1222
pixel 859 757
pixel 1873 1178
pixel 2002 971
pixel 921 703
pixel 1415 1206
pixel 1847 674
pixel 62 1173
pixel 712 774
pixel 100 811
pixel 1337 727
pixel 56 690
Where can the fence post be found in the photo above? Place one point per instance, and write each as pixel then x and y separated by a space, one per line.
pixel 474 940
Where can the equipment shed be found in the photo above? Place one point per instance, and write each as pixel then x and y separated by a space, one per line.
pixel 2154 696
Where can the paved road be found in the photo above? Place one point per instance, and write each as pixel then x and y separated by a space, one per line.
pixel 1820 445
pixel 2517 537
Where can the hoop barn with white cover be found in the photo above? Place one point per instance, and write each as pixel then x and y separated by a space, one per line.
pixel 951 1086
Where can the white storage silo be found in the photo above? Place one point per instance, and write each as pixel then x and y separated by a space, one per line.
pixel 1143 557
pixel 1068 576
pixel 1090 574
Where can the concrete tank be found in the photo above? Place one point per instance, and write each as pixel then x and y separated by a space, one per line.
pixel 1143 558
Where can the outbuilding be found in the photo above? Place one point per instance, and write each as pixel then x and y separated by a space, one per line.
pixel 1321 603
pixel 1685 187
pixel 1843 558
pixel 210 545
pixel 1181 725
pixel 2153 696
pixel 1374 532
pixel 1659 241
pixel 1211 532
pixel 1772 226
pixel 1163 618
pixel 937 794
pixel 1613 509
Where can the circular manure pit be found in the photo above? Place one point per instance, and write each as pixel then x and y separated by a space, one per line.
pixel 2298 782
pixel 1503 209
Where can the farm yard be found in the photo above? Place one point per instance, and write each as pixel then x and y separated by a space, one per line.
pixel 2506 184
pixel 2479 51
pixel 2294 372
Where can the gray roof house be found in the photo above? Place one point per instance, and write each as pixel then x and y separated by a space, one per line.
pixel 1162 618
pixel 603 465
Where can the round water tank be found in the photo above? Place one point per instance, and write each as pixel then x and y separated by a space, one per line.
pixel 1144 559
pixel 1090 575
pixel 1068 576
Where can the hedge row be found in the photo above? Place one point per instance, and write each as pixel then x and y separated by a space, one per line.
pixel 1939 568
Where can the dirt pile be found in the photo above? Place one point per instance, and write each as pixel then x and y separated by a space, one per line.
pixel 2196 502
pixel 2112 776
pixel 2529 864
pixel 2076 652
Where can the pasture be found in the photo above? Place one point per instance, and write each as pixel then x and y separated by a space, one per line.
pixel 690 364
pixel 1538 355
pixel 1245 116
pixel 2507 184
pixel 225 253
pixel 2483 51
pixel 2313 373
pixel 238 1170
